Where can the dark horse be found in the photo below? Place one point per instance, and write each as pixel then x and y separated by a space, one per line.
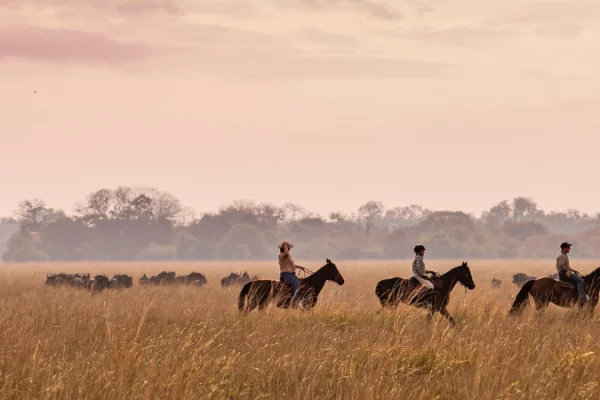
pixel 409 291
pixel 548 290
pixel 263 291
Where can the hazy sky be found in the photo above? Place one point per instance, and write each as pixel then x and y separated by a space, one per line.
pixel 327 103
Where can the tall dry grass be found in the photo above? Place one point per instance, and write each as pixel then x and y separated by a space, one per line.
pixel 175 343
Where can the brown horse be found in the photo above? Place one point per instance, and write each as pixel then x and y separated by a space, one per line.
pixel 548 290
pixel 260 293
pixel 392 291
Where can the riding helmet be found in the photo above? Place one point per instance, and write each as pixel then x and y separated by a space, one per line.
pixel 419 247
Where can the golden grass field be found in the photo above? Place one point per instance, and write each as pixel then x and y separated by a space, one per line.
pixel 192 343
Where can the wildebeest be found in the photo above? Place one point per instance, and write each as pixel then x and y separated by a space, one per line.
pixel 79 283
pixel 164 278
pixel 496 282
pixel 120 281
pixel 237 279
pixel 144 280
pixel 168 278
pixel 520 278
pixel 73 280
pixel 101 282
pixel 194 278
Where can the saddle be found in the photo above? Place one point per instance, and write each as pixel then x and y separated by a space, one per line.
pixel 282 287
pixel 566 285
pixel 412 283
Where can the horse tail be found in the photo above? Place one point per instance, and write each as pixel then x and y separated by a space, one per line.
pixel 243 294
pixel 522 298
pixel 379 290
pixel 385 293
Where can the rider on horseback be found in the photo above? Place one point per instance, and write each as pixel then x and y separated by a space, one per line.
pixel 419 270
pixel 568 274
pixel 287 269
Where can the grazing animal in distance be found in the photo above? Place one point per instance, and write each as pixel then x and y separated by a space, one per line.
pixel 237 279
pixel 144 280
pixel 520 278
pixel 164 278
pixel 261 292
pixel 496 282
pixel 392 291
pixel 121 281
pixel 101 282
pixel 196 279
pixel 64 279
pixel 547 290
pixel 79 283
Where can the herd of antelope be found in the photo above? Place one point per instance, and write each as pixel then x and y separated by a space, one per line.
pixel 123 281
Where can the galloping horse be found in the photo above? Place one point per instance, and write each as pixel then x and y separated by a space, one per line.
pixel 548 290
pixel 263 291
pixel 394 290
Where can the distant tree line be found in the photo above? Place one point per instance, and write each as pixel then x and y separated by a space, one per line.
pixel 144 223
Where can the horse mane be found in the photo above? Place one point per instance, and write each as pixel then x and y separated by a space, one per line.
pixel 465 265
pixel 595 274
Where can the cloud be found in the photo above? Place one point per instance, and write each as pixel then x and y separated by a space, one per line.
pixel 556 12
pixel 559 31
pixel 368 7
pixel 347 67
pixel 323 37
pixel 552 19
pixel 460 37
pixel 140 7
pixel 174 7
pixel 64 45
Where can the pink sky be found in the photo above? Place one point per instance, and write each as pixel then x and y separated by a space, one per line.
pixel 449 104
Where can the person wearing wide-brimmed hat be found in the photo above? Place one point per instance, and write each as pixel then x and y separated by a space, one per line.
pixel 568 274
pixel 287 268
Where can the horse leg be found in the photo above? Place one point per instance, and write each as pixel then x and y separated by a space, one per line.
pixel 430 312
pixel 446 314
pixel 540 305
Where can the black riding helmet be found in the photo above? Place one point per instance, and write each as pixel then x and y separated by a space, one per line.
pixel 419 247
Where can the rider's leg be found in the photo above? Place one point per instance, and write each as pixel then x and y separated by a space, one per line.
pixel 291 280
pixel 579 284
pixel 424 281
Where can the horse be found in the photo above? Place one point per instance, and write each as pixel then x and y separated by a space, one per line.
pixel 392 291
pixel 547 290
pixel 259 293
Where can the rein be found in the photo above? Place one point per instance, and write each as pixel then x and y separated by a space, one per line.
pixel 305 270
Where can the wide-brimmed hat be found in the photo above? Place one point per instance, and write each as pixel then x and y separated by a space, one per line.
pixel 291 246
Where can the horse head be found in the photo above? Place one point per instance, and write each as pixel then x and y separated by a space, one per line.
pixel 332 273
pixel 465 277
